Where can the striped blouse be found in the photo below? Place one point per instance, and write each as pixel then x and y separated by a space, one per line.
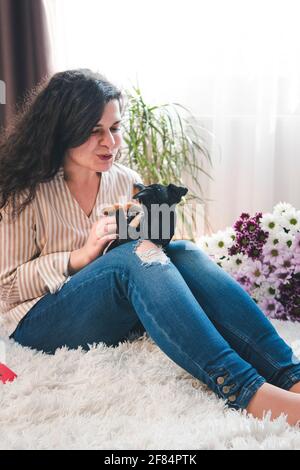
pixel 36 247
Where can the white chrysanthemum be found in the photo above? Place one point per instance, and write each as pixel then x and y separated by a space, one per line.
pixel 254 270
pixel 291 220
pixel 266 290
pixel 234 263
pixel 281 208
pixel 280 239
pixel 203 242
pixel 220 242
pixel 230 232
pixel 270 222
pixel 257 293
pixel 225 264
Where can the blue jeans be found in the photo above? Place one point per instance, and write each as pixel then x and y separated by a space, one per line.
pixel 192 309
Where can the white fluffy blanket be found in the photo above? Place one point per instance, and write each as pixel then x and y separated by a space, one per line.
pixel 129 397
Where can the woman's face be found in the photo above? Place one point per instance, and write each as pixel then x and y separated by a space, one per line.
pixel 106 138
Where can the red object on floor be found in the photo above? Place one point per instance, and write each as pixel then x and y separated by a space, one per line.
pixel 6 374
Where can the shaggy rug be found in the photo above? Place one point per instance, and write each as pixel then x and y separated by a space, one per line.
pixel 129 397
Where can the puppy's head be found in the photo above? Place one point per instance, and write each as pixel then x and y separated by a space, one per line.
pixel 159 194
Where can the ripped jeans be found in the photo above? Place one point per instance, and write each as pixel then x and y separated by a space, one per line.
pixel 195 312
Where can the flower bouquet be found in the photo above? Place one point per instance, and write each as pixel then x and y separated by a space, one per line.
pixel 262 253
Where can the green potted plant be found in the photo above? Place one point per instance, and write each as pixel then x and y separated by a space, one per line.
pixel 163 145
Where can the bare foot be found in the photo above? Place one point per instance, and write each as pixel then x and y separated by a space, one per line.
pixel 278 401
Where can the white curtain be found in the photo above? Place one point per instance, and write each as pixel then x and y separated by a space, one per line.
pixel 235 64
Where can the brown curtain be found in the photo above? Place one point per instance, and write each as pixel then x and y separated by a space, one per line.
pixel 24 51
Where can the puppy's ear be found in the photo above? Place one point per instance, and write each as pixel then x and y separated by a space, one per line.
pixel 137 187
pixel 139 194
pixel 140 188
pixel 177 191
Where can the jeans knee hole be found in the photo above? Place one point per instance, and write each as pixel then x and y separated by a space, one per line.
pixel 153 255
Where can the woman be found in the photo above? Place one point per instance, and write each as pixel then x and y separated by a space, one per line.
pixel 57 290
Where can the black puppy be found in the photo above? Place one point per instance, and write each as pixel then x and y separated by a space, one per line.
pixel 153 219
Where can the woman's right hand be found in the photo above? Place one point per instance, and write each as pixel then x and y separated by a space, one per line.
pixel 102 232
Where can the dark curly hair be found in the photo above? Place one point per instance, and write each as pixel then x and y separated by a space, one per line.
pixel 56 115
